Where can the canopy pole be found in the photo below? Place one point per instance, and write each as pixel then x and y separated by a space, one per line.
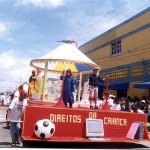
pixel 60 102
pixel 44 80
pixel 79 89
pixel 106 105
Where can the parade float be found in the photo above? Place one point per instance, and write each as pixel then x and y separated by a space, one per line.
pixel 53 122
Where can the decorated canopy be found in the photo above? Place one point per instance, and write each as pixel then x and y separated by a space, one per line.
pixel 66 55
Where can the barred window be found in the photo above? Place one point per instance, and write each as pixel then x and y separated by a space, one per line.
pixel 116 48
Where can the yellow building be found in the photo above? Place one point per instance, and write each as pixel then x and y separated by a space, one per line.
pixel 123 52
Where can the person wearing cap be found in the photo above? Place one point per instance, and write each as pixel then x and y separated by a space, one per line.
pixel 15 114
pixel 68 88
pixel 94 83
pixel 32 84
pixel 17 93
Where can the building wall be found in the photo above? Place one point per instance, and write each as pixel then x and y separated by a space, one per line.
pixel 137 92
pixel 133 63
pixel 135 47
pixel 124 28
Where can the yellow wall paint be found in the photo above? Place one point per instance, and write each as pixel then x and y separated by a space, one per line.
pixel 137 92
pixel 134 48
pixel 134 24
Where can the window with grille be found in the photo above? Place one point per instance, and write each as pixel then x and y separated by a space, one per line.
pixel 116 48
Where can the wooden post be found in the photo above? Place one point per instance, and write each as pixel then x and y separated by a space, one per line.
pixel 79 89
pixel 44 80
pixel 107 79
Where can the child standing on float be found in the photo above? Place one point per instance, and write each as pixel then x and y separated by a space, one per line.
pixel 94 83
pixel 68 88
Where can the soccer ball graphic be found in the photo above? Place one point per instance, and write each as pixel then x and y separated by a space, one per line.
pixel 44 128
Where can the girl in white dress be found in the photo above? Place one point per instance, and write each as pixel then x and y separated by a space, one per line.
pixel 86 92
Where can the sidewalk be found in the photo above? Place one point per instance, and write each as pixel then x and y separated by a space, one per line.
pixel 4 105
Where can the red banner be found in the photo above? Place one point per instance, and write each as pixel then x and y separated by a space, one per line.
pixel 70 123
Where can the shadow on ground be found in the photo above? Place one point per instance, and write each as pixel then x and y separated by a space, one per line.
pixel 6 128
pixel 4 144
pixel 74 145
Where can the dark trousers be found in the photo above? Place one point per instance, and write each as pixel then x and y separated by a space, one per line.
pixel 70 104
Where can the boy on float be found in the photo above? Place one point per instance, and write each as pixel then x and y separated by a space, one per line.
pixel 94 83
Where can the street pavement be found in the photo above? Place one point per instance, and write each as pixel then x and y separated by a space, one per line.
pixel 5 139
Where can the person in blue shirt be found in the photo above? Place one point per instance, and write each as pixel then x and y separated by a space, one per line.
pixel 68 88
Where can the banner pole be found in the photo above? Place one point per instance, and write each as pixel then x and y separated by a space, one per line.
pixel 44 80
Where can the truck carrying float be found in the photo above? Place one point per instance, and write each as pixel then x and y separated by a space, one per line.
pixel 52 122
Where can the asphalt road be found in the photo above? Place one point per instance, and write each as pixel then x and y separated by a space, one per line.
pixel 5 140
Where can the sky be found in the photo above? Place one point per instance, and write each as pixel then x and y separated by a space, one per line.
pixel 30 28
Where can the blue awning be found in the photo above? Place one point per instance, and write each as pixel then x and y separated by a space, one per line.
pixel 143 85
pixel 115 86
pixel 118 86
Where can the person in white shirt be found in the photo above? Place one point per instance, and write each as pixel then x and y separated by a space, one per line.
pixel 116 105
pixel 110 100
pixel 136 110
pixel 15 114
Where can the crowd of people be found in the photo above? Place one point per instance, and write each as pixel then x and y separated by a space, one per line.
pixel 130 104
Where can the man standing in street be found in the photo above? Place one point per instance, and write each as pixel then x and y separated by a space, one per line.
pixel 15 114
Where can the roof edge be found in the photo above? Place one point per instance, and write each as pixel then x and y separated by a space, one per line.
pixel 119 25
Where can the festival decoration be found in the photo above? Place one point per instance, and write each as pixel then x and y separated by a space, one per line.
pixel 66 56
pixel 44 128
